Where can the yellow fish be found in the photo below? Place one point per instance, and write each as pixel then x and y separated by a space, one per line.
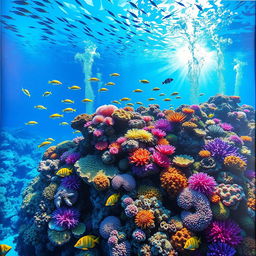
pixel 74 87
pixel 125 99
pixel 56 115
pixel 115 102
pixel 87 242
pixel 137 90
pixel 26 92
pixel 150 99
pixel 192 243
pixel 178 97
pixel 50 139
pixel 201 94
pixel 69 110
pixel 31 123
pixel 156 89
pixel 44 144
pixel 114 74
pixel 130 104
pixel 76 131
pixel 63 172
pixel 112 200
pixel 211 115
pixel 167 99
pixel 110 83
pixel 63 123
pixel 45 94
pixel 103 90
pixel 87 100
pixel 174 93
pixel 54 82
pixel 162 94
pixel 4 249
pixel 94 79
pixel 144 81
pixel 139 103
pixel 68 101
pixel 40 107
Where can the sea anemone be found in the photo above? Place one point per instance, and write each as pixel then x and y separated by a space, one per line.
pixel 161 159
pixel 97 132
pixel 234 163
pixel 202 182
pixel 140 157
pixel 72 158
pixel 183 160
pixel 101 181
pixel 66 217
pixel 204 153
pixel 226 127
pixel 72 182
pixel 188 110
pixel 163 124
pixel 139 134
pixel 101 145
pixel 114 148
pixel 165 149
pixel 176 117
pixel 220 249
pixel 158 133
pixel 145 219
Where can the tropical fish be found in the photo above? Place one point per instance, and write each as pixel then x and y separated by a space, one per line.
pixel 167 99
pixel 50 139
pixel 114 74
pixel 199 7
pixel 56 115
pixel 125 99
pixel 45 94
pixel 156 89
pixel 21 2
pixel 174 93
pixel 144 81
pixel 63 172
pixel 87 100
pixel 94 79
pixel 137 90
pixel 26 92
pixel 44 144
pixel 40 107
pixel 76 131
pixel 56 82
pixel 211 115
pixel 115 102
pixel 112 200
pixel 150 99
pixel 153 3
pixel 68 110
pixel 110 83
pixel 162 94
pixel 74 87
pixel 180 4
pixel 167 16
pixel 4 249
pixel 130 104
pixel 68 101
pixel 201 94
pixel 63 123
pixel 178 97
pixel 167 81
pixel 87 242
pixel 192 243
pixel 103 90
pixel 31 123
pixel 139 103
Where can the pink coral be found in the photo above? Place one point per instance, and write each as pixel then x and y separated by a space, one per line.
pixel 98 133
pixel 101 145
pixel 161 159
pixel 121 140
pixel 165 149
pixel 158 133
pixel 147 118
pixel 73 157
pixel 108 121
pixel 98 119
pixel 106 110
pixel 226 126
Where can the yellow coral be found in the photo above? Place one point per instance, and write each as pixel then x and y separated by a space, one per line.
pixel 209 122
pixel 139 134
pixel 189 125
pixel 149 192
pixel 121 114
pixel 49 191
pixel 246 138
pixel 199 132
pixel 235 163
pixel 183 160
pixel 204 153
pixel 101 181
pixel 251 203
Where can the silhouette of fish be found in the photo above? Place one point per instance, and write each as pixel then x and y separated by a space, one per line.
pixel 167 81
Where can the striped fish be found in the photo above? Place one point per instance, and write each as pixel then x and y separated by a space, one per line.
pixel 63 172
pixel 87 242
pixel 192 243
pixel 112 200
pixel 4 249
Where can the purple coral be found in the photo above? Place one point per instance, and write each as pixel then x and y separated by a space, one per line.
pixel 131 210
pixel 236 139
pixel 202 182
pixel 145 170
pixel 220 249
pixel 158 133
pixel 226 231
pixel 71 182
pixel 125 181
pixel 109 224
pixel 126 200
pixel 139 235
pixel 66 217
pixel 121 249
pixel 163 124
pixel 72 158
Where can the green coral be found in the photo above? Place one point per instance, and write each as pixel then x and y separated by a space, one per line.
pixel 49 191
pixel 59 238
pixel 79 229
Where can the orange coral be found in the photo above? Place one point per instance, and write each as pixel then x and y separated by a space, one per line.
pixel 179 239
pixel 176 117
pixel 49 152
pixel 163 141
pixel 101 181
pixel 173 180
pixel 235 163
pixel 204 153
pixel 188 111
pixel 114 145
pixel 215 198
pixel 140 156
pixel 128 108
pixel 251 203
pixel 145 219
pixel 189 125
pixel 149 192
pixel 246 138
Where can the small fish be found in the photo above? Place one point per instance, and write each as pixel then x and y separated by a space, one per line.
pixel 68 110
pixel 211 115
pixel 115 102
pixel 31 123
pixel 144 81
pixel 178 97
pixel 199 7
pixel 153 3
pixel 130 104
pixel 167 99
pixel 45 94
pixel 156 89
pixel 112 200
pixel 110 83
pixel 68 101
pixel 40 107
pixel 55 82
pixel 21 2
pixel 137 90
pixel 76 131
pixel 181 4
pixel 87 100
pixel 174 93
pixel 103 90
pixel 150 99
pixel 4 249
pixel 87 242
pixel 201 94
pixel 162 94
pixel 63 172
pixel 114 74
pixel 63 123
pixel 139 103
pixel 125 99
pixel 133 5
pixel 50 139
pixel 192 243
pixel 167 16
pixel 94 79
pixel 26 92
pixel 56 115
pixel 74 87
pixel 167 81
pixel 44 144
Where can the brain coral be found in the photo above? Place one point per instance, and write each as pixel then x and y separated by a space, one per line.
pixel 140 156
pixel 122 115
pixel 140 135
pixel 145 219
pixel 198 219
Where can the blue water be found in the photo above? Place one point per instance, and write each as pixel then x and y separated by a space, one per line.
pixel 29 61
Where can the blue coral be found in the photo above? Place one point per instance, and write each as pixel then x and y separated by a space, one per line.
pixel 220 249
